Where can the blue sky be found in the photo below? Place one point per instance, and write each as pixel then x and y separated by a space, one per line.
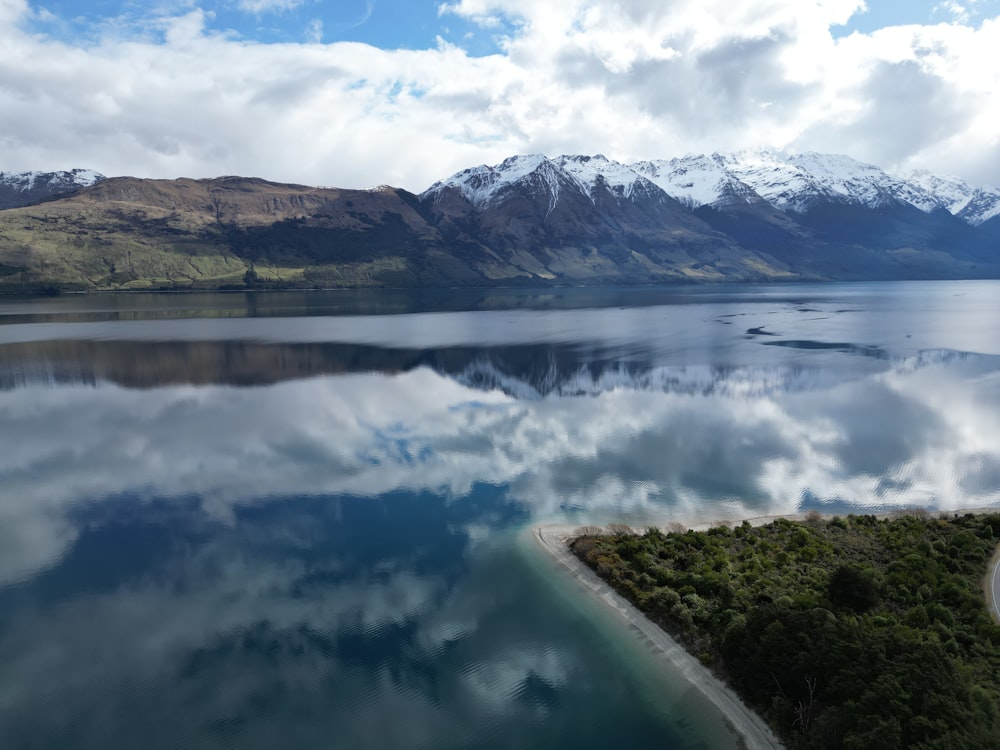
pixel 356 93
pixel 881 13
pixel 407 24
pixel 387 24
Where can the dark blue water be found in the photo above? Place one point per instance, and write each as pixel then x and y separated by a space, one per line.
pixel 299 520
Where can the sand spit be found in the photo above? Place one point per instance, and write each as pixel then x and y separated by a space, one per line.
pixel 755 732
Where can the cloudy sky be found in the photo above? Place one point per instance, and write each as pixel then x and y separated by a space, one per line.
pixel 354 93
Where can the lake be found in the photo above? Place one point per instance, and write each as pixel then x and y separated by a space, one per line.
pixel 301 520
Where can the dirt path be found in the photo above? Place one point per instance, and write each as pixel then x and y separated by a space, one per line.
pixel 755 733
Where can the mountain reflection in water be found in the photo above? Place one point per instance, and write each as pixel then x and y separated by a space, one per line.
pixel 304 531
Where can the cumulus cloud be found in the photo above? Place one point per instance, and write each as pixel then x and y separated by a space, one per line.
pixel 633 79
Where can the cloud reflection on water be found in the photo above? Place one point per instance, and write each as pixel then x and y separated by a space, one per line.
pixel 923 432
pixel 239 626
pixel 297 559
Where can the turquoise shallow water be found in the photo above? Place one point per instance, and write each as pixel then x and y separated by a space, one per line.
pixel 297 520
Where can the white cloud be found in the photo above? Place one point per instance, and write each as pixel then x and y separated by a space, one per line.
pixel 12 10
pixel 258 7
pixel 631 79
pixel 314 31
pixel 958 12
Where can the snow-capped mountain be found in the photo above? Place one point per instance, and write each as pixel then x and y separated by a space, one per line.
pixel 982 206
pixel 790 183
pixel 972 205
pixel 810 214
pixel 565 201
pixel 697 180
pixel 783 184
pixel 798 182
pixel 483 185
pixel 25 188
pixel 596 172
pixel 863 184
pixel 953 193
pixel 572 219
pixel 590 176
pixel 25 181
pixel 794 183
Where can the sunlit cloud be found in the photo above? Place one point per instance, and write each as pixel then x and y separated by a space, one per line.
pixel 630 80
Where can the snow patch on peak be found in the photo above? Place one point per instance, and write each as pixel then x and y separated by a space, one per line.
pixel 792 183
pixel 588 171
pixel 841 174
pixel 22 182
pixel 694 180
pixel 481 185
pixel 982 206
pixel 953 193
pixel 862 183
pixel 514 168
pixel 86 177
pixel 786 186
pixel 789 182
pixel 972 205
pixel 754 157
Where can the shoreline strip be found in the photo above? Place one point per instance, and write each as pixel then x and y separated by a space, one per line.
pixel 991 585
pixel 756 734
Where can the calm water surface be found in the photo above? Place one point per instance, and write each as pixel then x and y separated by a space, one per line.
pixel 298 520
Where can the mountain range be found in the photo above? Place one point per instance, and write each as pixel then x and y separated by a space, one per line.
pixel 570 220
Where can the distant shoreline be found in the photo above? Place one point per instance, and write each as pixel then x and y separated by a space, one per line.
pixel 55 290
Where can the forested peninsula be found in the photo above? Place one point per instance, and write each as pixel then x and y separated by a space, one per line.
pixel 851 632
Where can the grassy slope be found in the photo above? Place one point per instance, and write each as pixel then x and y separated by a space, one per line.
pixel 127 233
pixel 853 633
pixel 98 247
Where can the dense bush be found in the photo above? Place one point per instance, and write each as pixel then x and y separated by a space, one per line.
pixel 859 632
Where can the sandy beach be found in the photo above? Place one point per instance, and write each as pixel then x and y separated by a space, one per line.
pixel 755 732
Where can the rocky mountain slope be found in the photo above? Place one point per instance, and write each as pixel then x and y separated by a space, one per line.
pixel 750 216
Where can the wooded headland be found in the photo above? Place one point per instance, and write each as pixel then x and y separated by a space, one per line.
pixel 851 632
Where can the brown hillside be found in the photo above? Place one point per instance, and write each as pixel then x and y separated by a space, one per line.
pixel 135 233
pixel 247 201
